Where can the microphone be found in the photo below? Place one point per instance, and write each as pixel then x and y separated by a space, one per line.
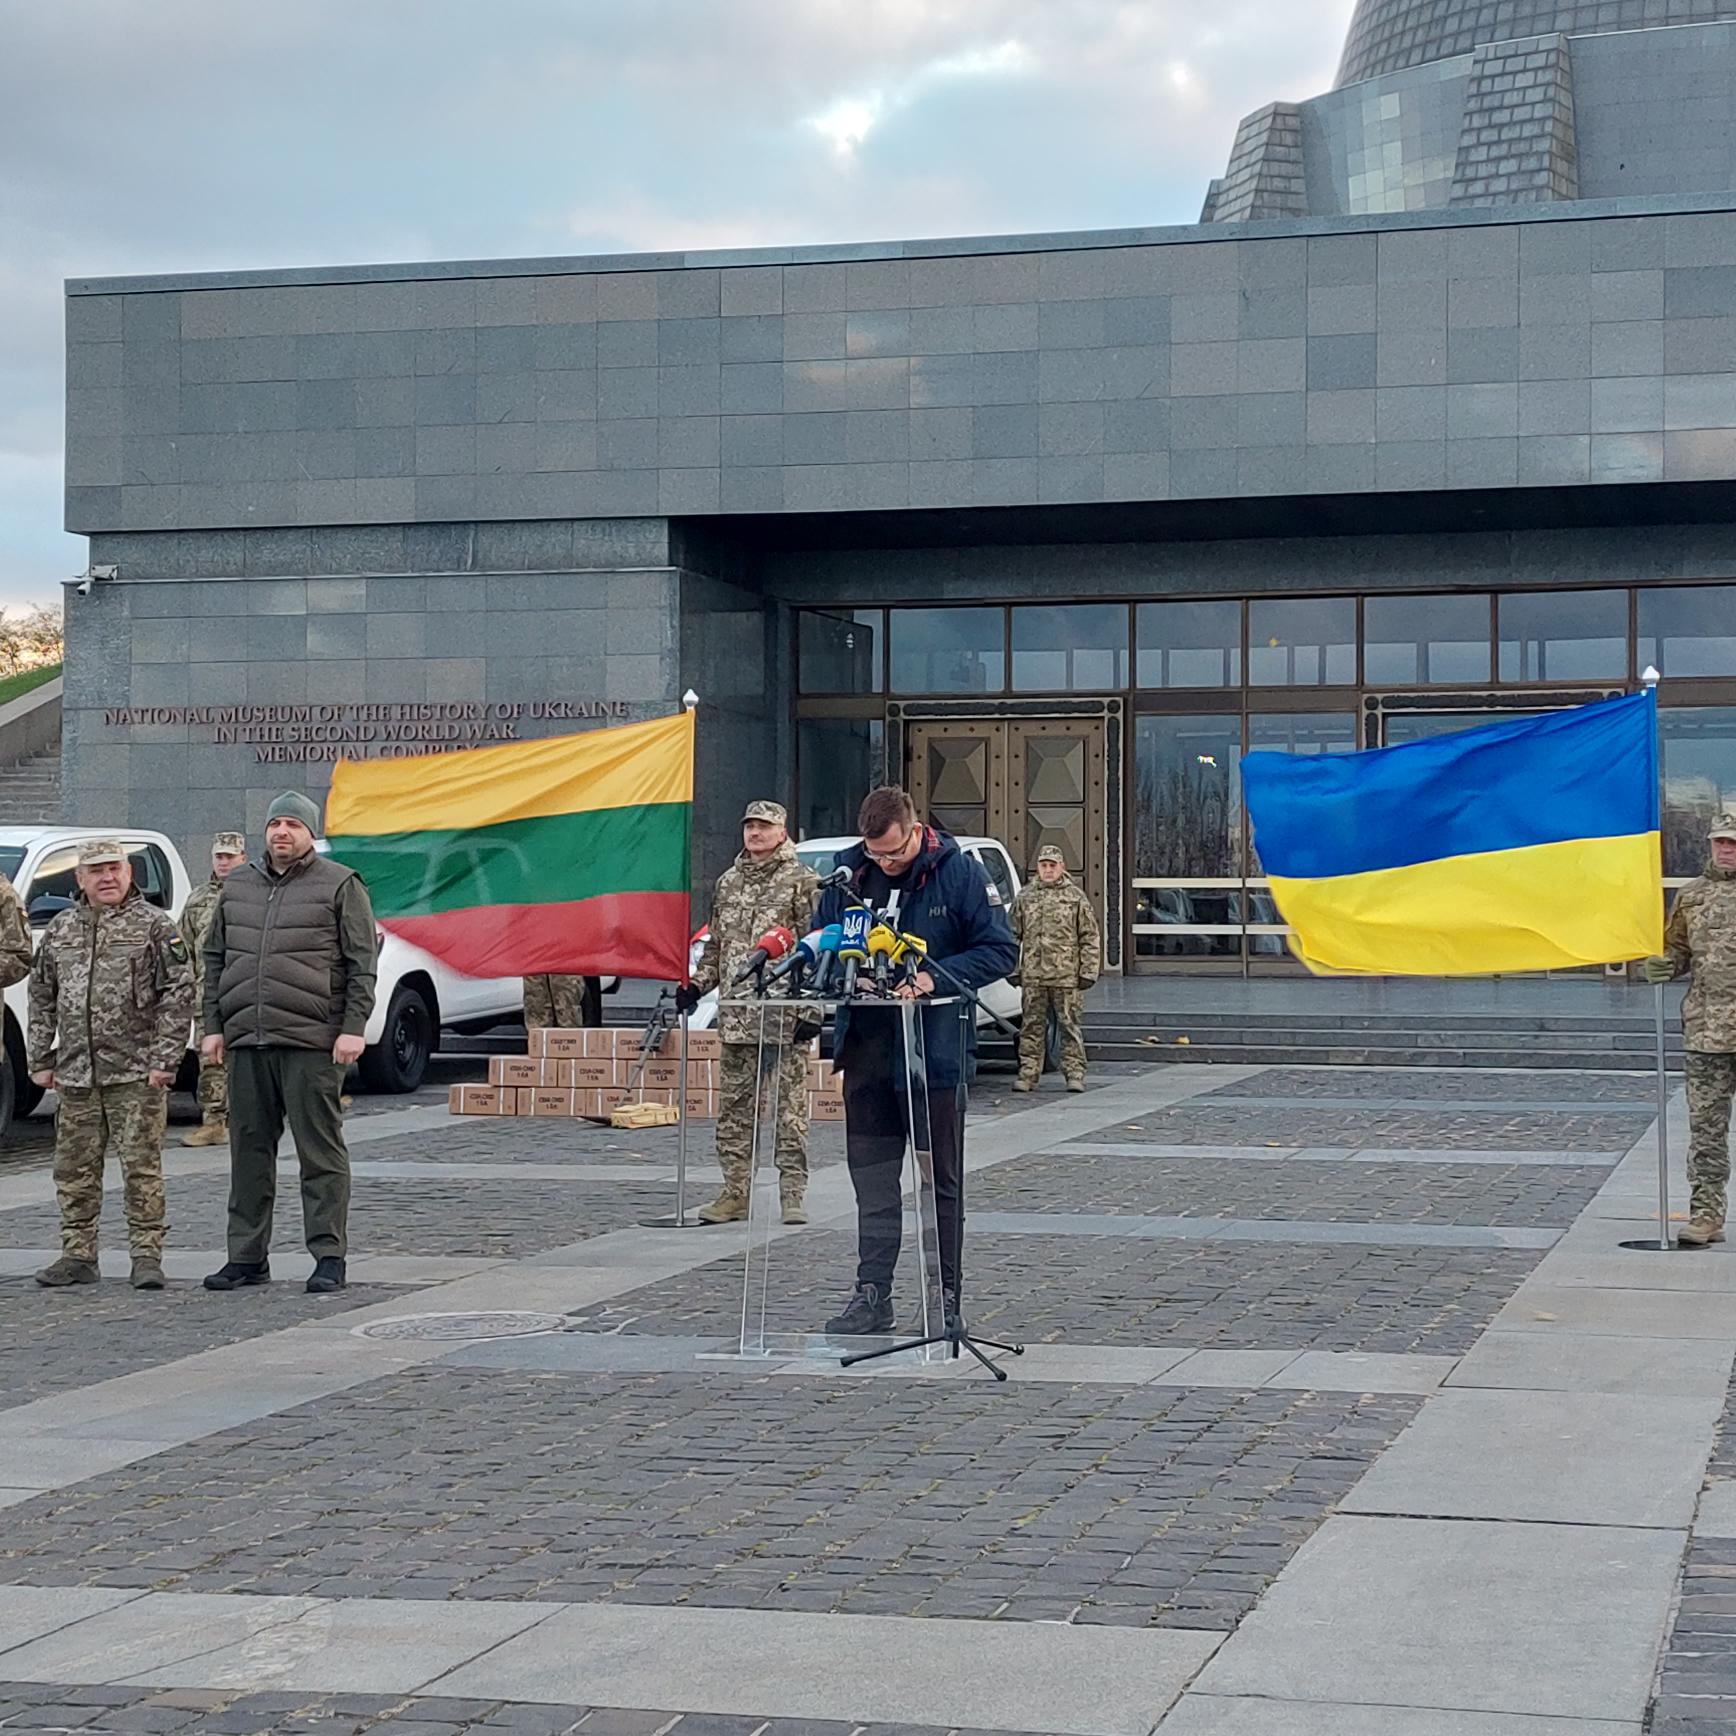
pixel 838 877
pixel 912 950
pixel 853 947
pixel 830 938
pixel 802 957
pixel 882 952
pixel 773 944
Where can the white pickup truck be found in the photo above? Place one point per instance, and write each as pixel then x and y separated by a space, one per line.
pixel 417 995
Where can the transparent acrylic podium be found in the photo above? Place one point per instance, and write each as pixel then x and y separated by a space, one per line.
pixel 788 1294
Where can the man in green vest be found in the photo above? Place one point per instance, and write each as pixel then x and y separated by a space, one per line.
pixel 290 961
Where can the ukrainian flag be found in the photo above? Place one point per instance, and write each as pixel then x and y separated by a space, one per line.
pixel 1530 845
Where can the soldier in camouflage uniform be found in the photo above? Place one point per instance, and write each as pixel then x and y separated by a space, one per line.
pixel 112 978
pixel 228 852
pixel 1701 938
pixel 766 887
pixel 564 1002
pixel 1060 955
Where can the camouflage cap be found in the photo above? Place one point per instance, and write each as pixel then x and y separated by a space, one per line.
pixel 772 811
pixel 1052 853
pixel 92 852
pixel 1724 827
pixel 228 844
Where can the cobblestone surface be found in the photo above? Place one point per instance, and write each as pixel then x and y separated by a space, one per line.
pixel 1406 1193
pixel 1445 1083
pixel 1203 1123
pixel 39 1707
pixel 1116 1290
pixel 58 1340
pixel 503 1219
pixel 1107 1504
pixel 1697 1673
pixel 507 1141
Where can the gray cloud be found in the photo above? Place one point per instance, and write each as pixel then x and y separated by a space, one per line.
pixel 198 134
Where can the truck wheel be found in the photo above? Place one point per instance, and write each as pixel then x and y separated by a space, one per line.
pixel 399 1060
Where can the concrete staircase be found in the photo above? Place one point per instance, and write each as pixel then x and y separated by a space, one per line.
pixel 30 790
pixel 1556 1040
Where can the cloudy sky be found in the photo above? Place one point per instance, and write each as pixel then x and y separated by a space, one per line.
pixel 190 135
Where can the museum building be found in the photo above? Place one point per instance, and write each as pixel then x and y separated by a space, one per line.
pixel 1431 419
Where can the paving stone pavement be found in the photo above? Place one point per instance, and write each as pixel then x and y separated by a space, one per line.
pixel 1449 1084
pixel 1330 1192
pixel 1697 1674
pixel 45 1709
pixel 1118 1291
pixel 1127 1506
pixel 503 1219
pixel 1202 1123
pixel 722 1491
pixel 60 1340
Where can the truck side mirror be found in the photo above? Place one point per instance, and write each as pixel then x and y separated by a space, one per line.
pixel 46 907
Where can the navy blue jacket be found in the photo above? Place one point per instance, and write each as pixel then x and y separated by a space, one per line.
pixel 947 900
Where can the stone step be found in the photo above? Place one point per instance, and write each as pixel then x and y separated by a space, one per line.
pixel 1000 1054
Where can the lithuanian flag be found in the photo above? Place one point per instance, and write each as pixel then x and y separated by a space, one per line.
pixel 1530 845
pixel 569 854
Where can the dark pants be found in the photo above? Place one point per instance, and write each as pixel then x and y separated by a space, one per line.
pixel 266 1088
pixel 875 1134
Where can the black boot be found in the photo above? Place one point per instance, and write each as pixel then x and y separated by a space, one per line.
pixel 869 1310
pixel 328 1275
pixel 238 1274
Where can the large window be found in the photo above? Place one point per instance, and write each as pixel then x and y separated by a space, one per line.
pixel 840 759
pixel 1190 644
pixel 1428 641
pixel 1699 767
pixel 839 650
pixel 1563 636
pixel 1689 630
pixel 948 650
pixel 1069 650
pixel 1187 813
pixel 1302 642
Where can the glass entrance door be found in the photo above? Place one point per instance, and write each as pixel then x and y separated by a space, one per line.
pixel 1026 781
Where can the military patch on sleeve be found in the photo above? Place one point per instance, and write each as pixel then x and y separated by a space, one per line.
pixel 994 893
pixel 177 949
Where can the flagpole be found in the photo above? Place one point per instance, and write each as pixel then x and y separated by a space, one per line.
pixel 1650 681
pixel 690 703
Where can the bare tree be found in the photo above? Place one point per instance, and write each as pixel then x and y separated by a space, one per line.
pixel 31 639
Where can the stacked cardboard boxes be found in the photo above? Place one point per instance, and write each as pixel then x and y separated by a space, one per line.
pixel 587 1073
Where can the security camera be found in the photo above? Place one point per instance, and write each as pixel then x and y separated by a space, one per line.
pixel 105 572
pixel 83 586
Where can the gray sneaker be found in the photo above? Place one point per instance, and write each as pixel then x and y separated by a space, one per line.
pixel 67 1270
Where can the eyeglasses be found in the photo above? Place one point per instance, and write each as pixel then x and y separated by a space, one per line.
pixel 889 855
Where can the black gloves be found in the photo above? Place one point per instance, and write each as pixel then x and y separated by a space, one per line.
pixel 686 998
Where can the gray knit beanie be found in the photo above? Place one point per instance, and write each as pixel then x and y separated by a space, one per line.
pixel 293 805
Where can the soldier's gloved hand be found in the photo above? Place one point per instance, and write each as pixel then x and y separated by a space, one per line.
pixel 1659 969
pixel 686 998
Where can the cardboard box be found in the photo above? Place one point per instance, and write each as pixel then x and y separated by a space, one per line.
pixel 591 1073
pixel 701 1075
pixel 551 1100
pixel 481 1100
pixel 612 1040
pixel 824 1106
pixel 702 1046
pixel 661 1075
pixel 522 1070
pixel 556 1043
pixel 699 1105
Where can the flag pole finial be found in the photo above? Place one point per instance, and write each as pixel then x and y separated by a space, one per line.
pixel 690 700
pixel 1649 677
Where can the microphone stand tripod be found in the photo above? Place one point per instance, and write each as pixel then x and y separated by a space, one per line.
pixel 955 1332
